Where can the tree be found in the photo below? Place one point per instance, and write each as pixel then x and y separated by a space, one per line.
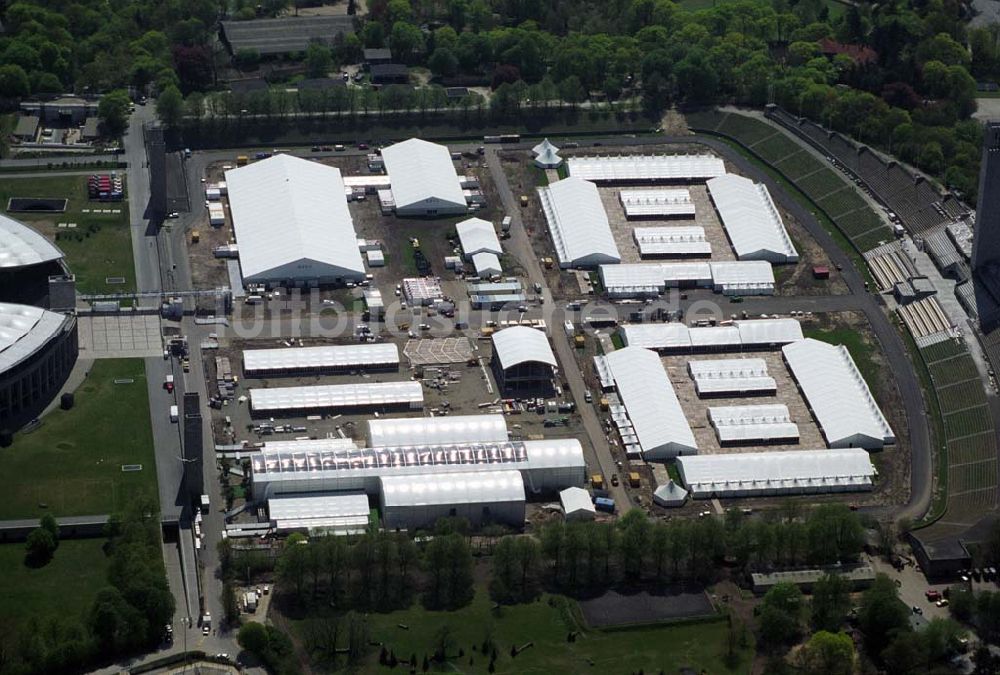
pixel 14 82
pixel 831 601
pixel 780 615
pixel 882 613
pixel 443 62
pixel 49 524
pixel 941 638
pixel 170 106
pixel 961 603
pixel 827 654
pixel 40 547
pixel 319 60
pixel 253 638
pixel 906 653
pixel 113 111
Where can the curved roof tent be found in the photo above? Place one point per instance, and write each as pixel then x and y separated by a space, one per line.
pixel 23 331
pixel 21 246
pixel 578 223
pixel 520 344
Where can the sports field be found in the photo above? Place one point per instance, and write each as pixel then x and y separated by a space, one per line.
pixel 63 588
pixel 72 464
pixel 546 623
pixel 99 247
pixel 824 186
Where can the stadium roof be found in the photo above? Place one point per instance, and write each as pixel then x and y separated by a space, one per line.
pixel 383 432
pixel 520 344
pixel 420 172
pixel 677 336
pixel 363 355
pixel 474 487
pixel 578 223
pixel 646 168
pixel 23 331
pixel 749 423
pixel 838 395
pixel 21 246
pixel 652 405
pixel 359 394
pixel 285 34
pixel 677 240
pixel 291 220
pixel 477 235
pixel 790 471
pixel 659 203
pixel 343 512
pixel 751 219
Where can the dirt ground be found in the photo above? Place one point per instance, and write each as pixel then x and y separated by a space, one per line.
pixel 466 390
pixel 696 409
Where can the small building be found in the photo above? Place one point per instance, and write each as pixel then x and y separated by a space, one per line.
pixel 940 556
pixel 487 265
pixel 26 129
pixel 64 110
pixel 913 289
pixel 377 57
pixel 858 577
pixel 576 504
pixel 91 130
pixel 250 602
pixel 522 360
pixel 546 155
pixel 389 73
pixel 670 495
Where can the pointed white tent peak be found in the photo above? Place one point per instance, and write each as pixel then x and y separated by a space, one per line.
pixel 543 147
pixel 548 159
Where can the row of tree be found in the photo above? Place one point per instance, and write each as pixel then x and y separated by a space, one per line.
pixel 126 616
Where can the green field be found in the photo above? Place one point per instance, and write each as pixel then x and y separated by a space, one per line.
pixel 72 463
pixel 699 646
pixel 100 246
pixel 63 588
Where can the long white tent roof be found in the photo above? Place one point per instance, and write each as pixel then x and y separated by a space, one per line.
pixel 677 336
pixel 392 431
pixel 343 512
pixel 646 168
pixel 421 171
pixel 749 276
pixel 521 344
pixel 477 235
pixel 20 245
pixel 790 471
pixel 474 487
pixel 652 405
pixel 731 376
pixel 288 213
pixel 667 203
pixel 311 445
pixel 578 223
pixel 679 240
pixel 367 354
pixel 23 331
pixel 751 219
pixel 745 423
pixel 838 394
pixel 360 394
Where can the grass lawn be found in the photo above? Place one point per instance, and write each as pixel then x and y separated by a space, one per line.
pixel 64 588
pixel 72 463
pixel 699 646
pixel 99 247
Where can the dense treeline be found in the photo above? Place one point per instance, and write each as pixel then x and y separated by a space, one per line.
pixel 128 615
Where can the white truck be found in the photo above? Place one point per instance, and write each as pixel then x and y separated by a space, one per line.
pixel 173 413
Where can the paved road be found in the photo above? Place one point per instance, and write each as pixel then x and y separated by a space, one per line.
pixel 599 452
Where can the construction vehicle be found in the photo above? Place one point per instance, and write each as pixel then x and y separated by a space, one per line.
pixel 579 341
pixel 633 479
pixel 614 480
pixel 195 236
pixel 524 200
pixel 597 481
pixel 548 263
pixel 242 160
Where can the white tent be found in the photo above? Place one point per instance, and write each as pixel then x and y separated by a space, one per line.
pixel 576 504
pixel 20 245
pixel 751 220
pixel 670 495
pixel 291 222
pixel 578 224
pixel 546 155
pixel 424 182
pixel 476 236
